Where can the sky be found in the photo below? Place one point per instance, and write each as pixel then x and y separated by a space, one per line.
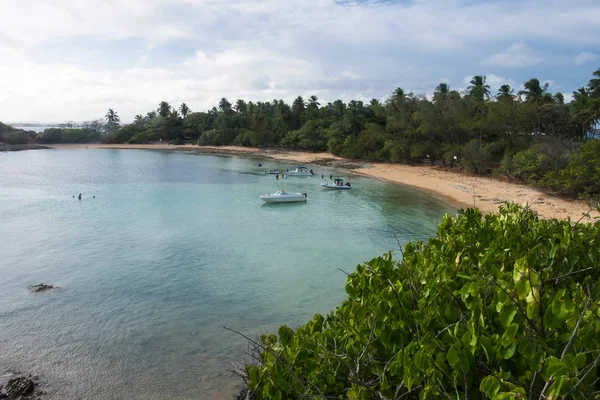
pixel 71 60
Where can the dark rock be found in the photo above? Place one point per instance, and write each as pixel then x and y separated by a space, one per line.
pixel 41 287
pixel 19 386
pixel 244 394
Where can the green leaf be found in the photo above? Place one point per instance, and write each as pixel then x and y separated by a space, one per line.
pixel 508 352
pixel 580 360
pixel 286 335
pixel 507 315
pixel 490 386
pixel 453 356
pixel 508 337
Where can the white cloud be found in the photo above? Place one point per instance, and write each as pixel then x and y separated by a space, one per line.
pixel 585 57
pixel 70 60
pixel 517 55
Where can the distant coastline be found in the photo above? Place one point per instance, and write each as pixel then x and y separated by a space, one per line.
pixel 459 189
pixel 20 147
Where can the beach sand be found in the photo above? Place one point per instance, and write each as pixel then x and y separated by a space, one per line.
pixel 459 189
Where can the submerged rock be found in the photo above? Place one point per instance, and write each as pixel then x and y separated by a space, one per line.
pixel 41 287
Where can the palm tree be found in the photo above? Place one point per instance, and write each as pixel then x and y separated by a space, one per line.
pixel 398 93
pixel 164 109
pixel 299 105
pixel 224 105
pixel 478 89
pixel 112 117
pixel 594 84
pixel 184 110
pixel 505 92
pixel 585 108
pixel 313 102
pixel 139 119
pixel 443 88
pixel 240 106
pixel 534 92
pixel 441 91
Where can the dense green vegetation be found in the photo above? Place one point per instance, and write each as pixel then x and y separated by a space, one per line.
pixel 10 135
pixel 502 306
pixel 531 135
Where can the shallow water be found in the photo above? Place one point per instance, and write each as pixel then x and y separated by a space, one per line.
pixel 174 247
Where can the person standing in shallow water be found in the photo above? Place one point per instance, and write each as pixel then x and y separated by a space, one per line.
pixel 79 197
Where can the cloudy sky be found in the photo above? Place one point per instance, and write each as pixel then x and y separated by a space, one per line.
pixel 72 59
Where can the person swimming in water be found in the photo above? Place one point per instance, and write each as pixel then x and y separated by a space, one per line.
pixel 79 197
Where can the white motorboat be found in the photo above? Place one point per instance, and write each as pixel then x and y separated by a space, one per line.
pixel 338 184
pixel 300 171
pixel 283 197
pixel 272 172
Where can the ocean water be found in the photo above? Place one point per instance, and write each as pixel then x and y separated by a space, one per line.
pixel 173 248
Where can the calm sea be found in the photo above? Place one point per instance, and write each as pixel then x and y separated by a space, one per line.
pixel 172 248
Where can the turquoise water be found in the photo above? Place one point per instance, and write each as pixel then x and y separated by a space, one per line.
pixel 174 247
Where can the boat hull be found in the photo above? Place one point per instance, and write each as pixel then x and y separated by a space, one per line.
pixel 283 200
pixel 283 197
pixel 334 187
pixel 292 173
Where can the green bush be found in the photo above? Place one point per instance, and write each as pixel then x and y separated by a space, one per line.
pixel 530 165
pixel 582 174
pixel 504 306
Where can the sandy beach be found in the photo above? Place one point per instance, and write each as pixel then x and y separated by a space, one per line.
pixel 459 189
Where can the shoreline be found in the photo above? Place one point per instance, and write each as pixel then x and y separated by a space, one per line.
pixel 459 189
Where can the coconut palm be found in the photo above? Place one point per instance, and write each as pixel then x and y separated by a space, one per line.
pixel 534 92
pixel 398 93
pixel 224 105
pixel 478 89
pixel 594 84
pixel 240 106
pixel 505 92
pixel 139 119
pixel 313 102
pixel 112 117
pixel 164 109
pixel 184 110
pixel 441 91
pixel 585 108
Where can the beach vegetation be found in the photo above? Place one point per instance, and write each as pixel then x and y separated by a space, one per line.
pixel 498 306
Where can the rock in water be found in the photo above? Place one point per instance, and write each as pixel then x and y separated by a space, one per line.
pixel 18 386
pixel 41 287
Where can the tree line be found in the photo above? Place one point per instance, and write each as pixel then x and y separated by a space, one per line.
pixel 529 135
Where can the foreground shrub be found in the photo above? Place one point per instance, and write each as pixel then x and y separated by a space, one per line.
pixel 499 306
